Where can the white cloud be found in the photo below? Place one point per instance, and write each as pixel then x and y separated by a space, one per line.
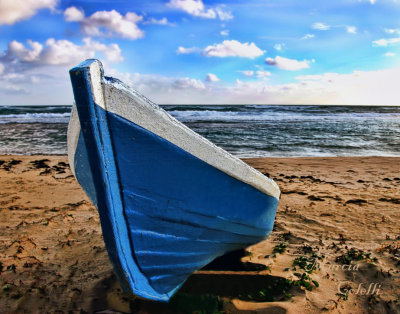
pixel 23 67
pixel 8 88
pixel 307 36
pixel 106 23
pixel 187 83
pixel 262 74
pixel 224 32
pixel 197 8
pixel 390 54
pixel 320 26
pixel 324 27
pixel 112 52
pixel 356 88
pixel 15 81
pixel 17 51
pixel 166 90
pixel 211 78
pixel 193 7
pixel 58 52
pixel 157 84
pixel 73 14
pixel 163 21
pixel 34 85
pixel 233 48
pixel 247 73
pixel 392 30
pixel 55 86
pixel 228 48
pixel 12 11
pixel 222 14
pixel 288 64
pixel 386 42
pixel 258 74
pixel 182 50
pixel 64 52
pixel 351 29
pixel 279 47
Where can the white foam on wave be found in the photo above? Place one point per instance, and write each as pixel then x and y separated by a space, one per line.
pixel 35 118
pixel 262 115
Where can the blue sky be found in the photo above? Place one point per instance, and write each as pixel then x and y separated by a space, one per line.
pixel 194 51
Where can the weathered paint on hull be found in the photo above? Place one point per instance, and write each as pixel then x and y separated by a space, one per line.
pixel 164 212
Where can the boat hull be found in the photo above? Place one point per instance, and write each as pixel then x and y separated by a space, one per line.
pixel 164 211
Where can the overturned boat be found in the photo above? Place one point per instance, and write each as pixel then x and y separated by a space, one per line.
pixel 169 200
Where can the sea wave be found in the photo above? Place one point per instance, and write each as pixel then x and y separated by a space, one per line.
pixel 243 130
pixel 35 118
pixel 255 115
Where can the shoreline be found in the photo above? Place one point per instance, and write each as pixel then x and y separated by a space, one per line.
pixel 242 158
pixel 344 210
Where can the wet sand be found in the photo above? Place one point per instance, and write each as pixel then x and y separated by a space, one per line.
pixel 335 246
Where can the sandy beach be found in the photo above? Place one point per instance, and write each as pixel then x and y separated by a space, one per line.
pixel 335 246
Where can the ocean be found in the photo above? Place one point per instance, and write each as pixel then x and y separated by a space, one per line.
pixel 243 130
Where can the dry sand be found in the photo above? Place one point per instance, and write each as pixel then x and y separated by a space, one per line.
pixel 340 216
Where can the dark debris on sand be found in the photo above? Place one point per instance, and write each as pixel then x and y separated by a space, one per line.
pixel 10 164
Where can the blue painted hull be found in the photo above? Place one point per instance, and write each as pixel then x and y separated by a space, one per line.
pixel 164 212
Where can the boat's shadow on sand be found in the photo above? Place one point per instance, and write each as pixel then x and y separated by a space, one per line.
pixel 206 291
pixel 209 290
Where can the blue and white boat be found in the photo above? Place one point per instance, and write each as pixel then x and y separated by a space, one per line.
pixel 169 200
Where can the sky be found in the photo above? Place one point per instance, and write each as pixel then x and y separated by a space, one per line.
pixel 342 52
